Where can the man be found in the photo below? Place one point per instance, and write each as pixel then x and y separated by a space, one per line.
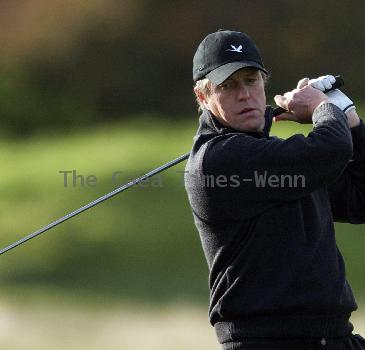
pixel 277 279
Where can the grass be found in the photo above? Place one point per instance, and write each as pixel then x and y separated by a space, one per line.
pixel 122 245
pixel 58 324
pixel 140 251
pixel 49 321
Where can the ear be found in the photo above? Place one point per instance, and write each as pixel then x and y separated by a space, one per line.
pixel 201 97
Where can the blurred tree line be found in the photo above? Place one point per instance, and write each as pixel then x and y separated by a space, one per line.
pixel 68 63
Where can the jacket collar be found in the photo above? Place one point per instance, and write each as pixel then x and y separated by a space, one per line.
pixel 208 124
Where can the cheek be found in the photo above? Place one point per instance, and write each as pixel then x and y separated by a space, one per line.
pixel 264 98
pixel 261 96
pixel 224 105
pixel 217 106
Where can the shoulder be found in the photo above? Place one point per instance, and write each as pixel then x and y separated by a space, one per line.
pixel 233 151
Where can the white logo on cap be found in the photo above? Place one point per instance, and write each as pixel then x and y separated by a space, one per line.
pixel 235 49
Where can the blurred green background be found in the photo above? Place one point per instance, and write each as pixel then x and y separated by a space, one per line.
pixel 104 88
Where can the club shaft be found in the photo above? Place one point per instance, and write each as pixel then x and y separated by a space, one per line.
pixel 338 83
pixel 95 202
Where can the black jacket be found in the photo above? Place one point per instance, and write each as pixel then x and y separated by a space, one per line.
pixel 275 269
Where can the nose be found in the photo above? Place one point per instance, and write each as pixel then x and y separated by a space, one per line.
pixel 243 92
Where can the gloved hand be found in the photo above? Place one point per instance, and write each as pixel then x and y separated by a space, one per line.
pixel 337 97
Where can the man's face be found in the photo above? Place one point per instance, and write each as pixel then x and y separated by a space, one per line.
pixel 240 101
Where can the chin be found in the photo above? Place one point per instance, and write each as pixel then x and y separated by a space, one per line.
pixel 252 126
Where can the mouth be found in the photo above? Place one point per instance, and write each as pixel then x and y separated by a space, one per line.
pixel 246 111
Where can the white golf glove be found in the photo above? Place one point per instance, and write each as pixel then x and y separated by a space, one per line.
pixel 337 97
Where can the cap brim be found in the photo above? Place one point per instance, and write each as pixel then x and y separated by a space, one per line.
pixel 220 74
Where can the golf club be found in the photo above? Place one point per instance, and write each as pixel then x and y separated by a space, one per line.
pixel 338 83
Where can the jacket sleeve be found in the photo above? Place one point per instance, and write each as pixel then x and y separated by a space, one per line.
pixel 347 194
pixel 265 169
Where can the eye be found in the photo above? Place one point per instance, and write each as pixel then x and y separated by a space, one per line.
pixel 226 85
pixel 251 80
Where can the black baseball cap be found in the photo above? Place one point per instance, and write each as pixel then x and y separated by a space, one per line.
pixel 222 53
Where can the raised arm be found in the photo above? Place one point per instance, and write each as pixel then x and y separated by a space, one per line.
pixel 316 160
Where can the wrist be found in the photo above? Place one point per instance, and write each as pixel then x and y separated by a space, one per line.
pixel 322 102
pixel 353 119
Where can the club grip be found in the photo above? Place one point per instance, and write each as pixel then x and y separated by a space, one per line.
pixel 336 85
